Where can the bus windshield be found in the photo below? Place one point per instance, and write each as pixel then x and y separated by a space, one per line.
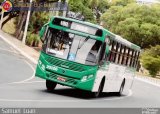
pixel 72 47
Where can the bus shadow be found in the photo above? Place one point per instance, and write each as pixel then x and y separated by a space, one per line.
pixel 76 93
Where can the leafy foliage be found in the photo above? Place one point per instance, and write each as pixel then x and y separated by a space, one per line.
pixel 38 19
pixel 139 24
pixel 91 9
pixel 32 39
pixel 82 6
pixel 151 60
pixel 121 2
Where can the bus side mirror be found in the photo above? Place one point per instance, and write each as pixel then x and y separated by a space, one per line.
pixel 42 33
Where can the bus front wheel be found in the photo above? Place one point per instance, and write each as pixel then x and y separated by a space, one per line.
pixel 50 85
pixel 100 89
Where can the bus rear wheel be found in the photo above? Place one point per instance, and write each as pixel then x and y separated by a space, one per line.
pixel 121 88
pixel 50 85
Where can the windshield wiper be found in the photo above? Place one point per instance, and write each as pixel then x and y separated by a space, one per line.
pixel 80 45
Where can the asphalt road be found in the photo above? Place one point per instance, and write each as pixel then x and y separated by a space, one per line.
pixel 19 88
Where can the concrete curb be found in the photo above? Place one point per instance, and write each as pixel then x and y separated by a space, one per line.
pixel 149 80
pixel 15 47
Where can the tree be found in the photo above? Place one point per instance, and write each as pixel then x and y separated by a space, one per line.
pixel 121 2
pixel 38 19
pixel 151 60
pixel 138 24
pixel 82 6
pixel 91 9
pixel 98 7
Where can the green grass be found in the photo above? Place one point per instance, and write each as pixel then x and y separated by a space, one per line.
pixel 10 27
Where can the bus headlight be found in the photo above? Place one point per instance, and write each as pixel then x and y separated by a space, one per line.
pixel 85 78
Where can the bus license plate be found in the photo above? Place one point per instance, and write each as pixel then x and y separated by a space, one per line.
pixel 61 79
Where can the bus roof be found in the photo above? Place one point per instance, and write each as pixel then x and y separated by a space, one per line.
pixel 114 36
pixel 81 22
pixel 123 41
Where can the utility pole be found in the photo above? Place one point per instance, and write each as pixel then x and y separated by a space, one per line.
pixel 57 12
pixel 27 23
pixel 2 14
pixel 65 12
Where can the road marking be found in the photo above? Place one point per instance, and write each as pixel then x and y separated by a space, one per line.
pixel 149 82
pixel 27 82
pixel 28 79
pixel 30 65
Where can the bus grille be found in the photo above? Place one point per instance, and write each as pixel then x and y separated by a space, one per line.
pixel 54 76
pixel 62 63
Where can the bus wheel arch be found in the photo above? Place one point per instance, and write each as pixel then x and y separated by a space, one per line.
pixel 100 89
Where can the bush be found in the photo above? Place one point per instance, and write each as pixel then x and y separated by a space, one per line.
pixel 32 39
pixel 151 60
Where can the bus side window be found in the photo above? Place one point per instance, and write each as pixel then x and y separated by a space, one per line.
pixel 135 59
pixel 117 52
pixel 128 57
pixel 111 57
pixel 137 56
pixel 123 56
pixel 114 52
pixel 132 53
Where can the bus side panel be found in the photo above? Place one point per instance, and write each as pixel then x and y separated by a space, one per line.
pixel 100 74
pixel 114 75
pixel 129 76
pixel 114 78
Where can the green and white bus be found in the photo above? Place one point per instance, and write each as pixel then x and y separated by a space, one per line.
pixel 85 56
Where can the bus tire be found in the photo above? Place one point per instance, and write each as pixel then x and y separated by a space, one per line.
pixel 50 85
pixel 121 88
pixel 100 89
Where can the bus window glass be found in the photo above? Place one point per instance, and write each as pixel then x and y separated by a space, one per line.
pixel 127 61
pixel 123 55
pixel 73 47
pixel 132 53
pixel 117 52
pixel 77 26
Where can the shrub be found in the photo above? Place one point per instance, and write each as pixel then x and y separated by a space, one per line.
pixel 151 60
pixel 32 39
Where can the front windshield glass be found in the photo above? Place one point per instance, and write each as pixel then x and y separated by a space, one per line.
pixel 72 47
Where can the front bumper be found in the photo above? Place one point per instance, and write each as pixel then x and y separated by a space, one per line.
pixel 70 81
